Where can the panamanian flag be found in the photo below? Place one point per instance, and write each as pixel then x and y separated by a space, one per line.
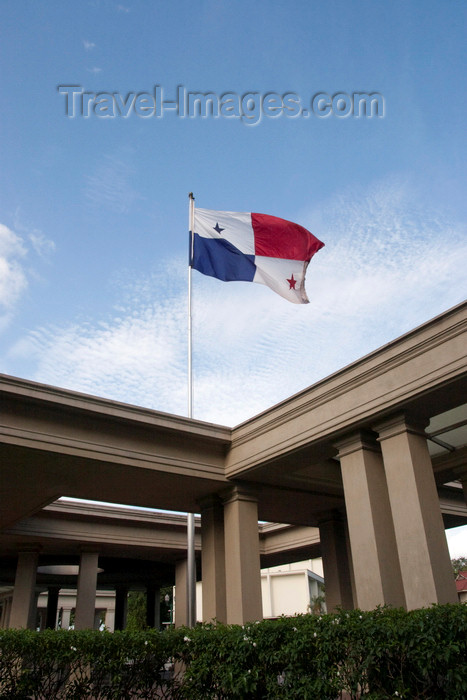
pixel 252 247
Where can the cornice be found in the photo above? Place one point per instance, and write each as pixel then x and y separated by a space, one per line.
pixel 124 514
pixel 390 357
pixel 65 399
pixel 105 452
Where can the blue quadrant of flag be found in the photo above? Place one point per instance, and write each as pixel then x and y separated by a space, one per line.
pixel 220 259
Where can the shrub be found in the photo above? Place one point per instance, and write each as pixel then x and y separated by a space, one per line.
pixel 385 653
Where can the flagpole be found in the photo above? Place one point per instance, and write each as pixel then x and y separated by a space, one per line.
pixel 191 563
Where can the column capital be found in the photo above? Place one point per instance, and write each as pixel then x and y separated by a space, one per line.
pixel 400 423
pixel 331 516
pixel 239 492
pixel 358 440
pixel 208 502
pixel 34 548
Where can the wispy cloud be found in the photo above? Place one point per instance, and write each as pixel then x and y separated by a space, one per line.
pixel 13 280
pixel 16 267
pixel 388 265
pixel 43 246
pixel 123 8
pixel 110 185
pixel 88 45
pixel 94 69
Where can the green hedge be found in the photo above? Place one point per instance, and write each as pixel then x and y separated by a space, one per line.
pixel 385 653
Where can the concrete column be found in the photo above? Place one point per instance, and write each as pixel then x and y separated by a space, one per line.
pixel 213 560
pixel 153 606
pixel 121 606
pixel 23 593
pixel 4 612
pixel 52 606
pixel 336 565
pixel 33 613
pixel 8 614
pixel 376 566
pixel 242 560
pixel 181 610
pixel 6 609
pixel 349 558
pixel 421 540
pixel 86 593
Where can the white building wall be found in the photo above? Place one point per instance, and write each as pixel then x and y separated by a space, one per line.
pixel 289 589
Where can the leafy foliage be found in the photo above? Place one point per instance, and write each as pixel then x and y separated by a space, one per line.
pixel 385 653
pixel 136 612
pixel 459 564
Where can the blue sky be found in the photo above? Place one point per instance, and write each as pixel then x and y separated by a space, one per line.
pixel 94 211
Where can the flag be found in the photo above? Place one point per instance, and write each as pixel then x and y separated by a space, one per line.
pixel 253 248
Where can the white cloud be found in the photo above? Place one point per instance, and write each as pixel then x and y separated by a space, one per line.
pixel 388 265
pixel 88 45
pixel 15 269
pixel 12 277
pixel 94 69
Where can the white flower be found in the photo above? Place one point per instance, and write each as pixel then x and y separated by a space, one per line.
pixel 254 644
pixel 186 639
pixel 314 634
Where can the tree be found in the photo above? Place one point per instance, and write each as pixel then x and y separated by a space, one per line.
pixel 136 612
pixel 459 564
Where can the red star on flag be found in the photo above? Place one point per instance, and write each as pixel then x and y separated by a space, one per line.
pixel 292 282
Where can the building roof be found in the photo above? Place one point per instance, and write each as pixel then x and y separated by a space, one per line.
pixel 461 581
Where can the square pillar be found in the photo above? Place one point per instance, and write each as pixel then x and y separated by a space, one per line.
pixel 6 608
pixel 336 564
pixel 153 607
pixel 121 607
pixel 242 560
pixel 213 560
pixel 423 551
pixel 180 598
pixel 86 593
pixel 22 608
pixel 376 566
pixel 52 607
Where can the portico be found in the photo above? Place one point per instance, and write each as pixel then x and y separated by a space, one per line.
pixel 374 456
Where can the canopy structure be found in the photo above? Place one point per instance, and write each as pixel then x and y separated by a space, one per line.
pixel 373 456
